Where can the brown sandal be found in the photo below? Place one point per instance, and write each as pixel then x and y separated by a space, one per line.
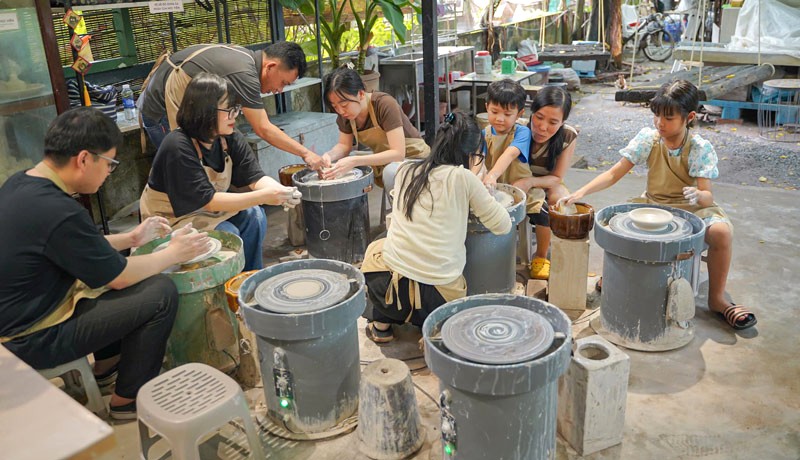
pixel 738 317
pixel 377 335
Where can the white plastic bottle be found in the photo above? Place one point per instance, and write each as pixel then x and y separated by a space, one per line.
pixel 128 103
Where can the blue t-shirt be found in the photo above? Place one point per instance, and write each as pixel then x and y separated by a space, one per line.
pixel 522 141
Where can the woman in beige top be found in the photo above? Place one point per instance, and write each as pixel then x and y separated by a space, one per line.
pixel 418 266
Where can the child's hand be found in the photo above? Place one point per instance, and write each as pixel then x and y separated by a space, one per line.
pixel 568 200
pixel 691 194
pixel 490 180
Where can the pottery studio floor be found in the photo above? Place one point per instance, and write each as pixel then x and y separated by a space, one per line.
pixel 726 395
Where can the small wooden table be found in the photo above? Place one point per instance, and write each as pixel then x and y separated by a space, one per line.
pixel 38 421
pixel 485 79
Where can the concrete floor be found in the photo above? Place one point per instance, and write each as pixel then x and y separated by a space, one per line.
pixel 726 395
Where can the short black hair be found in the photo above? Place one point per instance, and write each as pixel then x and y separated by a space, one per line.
pixel 290 54
pixel 506 93
pixel 82 128
pixel 197 115
pixel 676 96
pixel 344 82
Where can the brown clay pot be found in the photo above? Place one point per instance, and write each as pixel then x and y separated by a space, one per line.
pixel 575 226
pixel 285 174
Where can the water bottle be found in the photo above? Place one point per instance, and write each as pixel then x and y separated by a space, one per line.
pixel 127 102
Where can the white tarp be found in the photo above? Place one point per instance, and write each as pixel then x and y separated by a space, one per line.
pixel 779 27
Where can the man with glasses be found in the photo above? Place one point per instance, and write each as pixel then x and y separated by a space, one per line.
pixel 65 290
pixel 250 72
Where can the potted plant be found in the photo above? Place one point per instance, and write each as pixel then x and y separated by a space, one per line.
pixel 366 13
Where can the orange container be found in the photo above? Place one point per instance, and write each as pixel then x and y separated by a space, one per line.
pixel 232 289
pixel 286 172
pixel 574 226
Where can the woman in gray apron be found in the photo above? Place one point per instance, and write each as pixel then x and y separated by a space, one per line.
pixel 197 165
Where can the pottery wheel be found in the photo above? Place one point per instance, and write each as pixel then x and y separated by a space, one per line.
pixel 505 199
pixel 677 229
pixel 312 178
pixel 302 291
pixel 214 245
pixel 497 334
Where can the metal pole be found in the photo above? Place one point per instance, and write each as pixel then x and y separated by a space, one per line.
pixel 319 58
pixel 219 21
pixel 277 31
pixel 172 33
pixel 430 70
pixel 227 20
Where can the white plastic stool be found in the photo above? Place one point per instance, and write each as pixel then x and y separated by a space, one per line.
pixel 81 365
pixel 188 402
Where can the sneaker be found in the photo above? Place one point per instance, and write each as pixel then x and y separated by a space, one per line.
pixel 377 335
pixel 124 412
pixel 540 269
pixel 107 378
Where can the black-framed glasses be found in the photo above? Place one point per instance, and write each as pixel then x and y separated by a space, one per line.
pixel 233 112
pixel 112 163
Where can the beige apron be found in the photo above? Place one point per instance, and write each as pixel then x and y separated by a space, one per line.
pixel 178 80
pixel 375 138
pixel 516 170
pixel 666 177
pixel 155 203
pixel 373 263
pixel 76 292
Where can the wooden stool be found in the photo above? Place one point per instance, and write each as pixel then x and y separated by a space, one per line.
pixel 570 265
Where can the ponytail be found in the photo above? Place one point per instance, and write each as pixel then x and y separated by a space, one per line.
pixel 457 142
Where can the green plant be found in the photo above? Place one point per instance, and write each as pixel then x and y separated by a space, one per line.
pixel 334 29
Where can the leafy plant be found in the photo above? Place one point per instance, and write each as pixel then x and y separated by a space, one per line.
pixel 333 27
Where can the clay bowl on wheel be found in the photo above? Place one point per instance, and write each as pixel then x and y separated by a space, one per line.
pixel 650 219
pixel 572 226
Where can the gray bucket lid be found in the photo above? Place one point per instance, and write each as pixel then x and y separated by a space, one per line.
pixel 679 228
pixel 302 291
pixel 497 334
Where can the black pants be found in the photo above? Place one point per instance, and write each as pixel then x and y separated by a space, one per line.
pixel 134 322
pixel 378 310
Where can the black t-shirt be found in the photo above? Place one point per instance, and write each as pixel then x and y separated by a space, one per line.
pixel 242 68
pixel 177 170
pixel 48 241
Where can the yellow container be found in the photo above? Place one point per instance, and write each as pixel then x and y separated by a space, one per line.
pixel 232 289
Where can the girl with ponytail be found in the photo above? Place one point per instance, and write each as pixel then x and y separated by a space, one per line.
pixel 418 266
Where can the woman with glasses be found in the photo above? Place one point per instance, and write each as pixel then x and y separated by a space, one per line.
pixel 418 266
pixel 371 119
pixel 198 164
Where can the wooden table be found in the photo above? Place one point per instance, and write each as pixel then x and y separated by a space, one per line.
pixel 485 79
pixel 38 421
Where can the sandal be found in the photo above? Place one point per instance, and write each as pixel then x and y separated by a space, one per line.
pixel 377 335
pixel 738 317
pixel 540 269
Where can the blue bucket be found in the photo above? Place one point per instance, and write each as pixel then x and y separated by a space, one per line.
pixel 675 29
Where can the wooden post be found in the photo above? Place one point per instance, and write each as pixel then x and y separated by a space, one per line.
pixel 296 228
pixel 570 265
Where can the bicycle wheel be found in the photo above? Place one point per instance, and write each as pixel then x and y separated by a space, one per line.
pixel 658 45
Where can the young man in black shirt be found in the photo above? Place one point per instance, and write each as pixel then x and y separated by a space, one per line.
pixel 65 290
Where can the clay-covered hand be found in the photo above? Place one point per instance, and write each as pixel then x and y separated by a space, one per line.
pixel 150 229
pixel 277 194
pixel 490 180
pixel 691 194
pixel 326 160
pixel 569 199
pixel 187 243
pixel 339 169
pixel 314 161
pixel 294 200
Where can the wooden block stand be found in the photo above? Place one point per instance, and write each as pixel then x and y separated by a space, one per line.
pixel 568 271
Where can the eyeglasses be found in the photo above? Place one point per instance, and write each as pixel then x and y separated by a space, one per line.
pixel 112 163
pixel 233 112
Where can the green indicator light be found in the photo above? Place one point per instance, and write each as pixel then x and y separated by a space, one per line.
pixel 448 449
pixel 284 403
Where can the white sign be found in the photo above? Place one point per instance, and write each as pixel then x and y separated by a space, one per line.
pixel 9 21
pixel 166 6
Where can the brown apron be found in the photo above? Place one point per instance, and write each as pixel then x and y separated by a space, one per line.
pixel 666 177
pixel 155 203
pixel 375 138
pixel 76 292
pixel 516 170
pixel 178 80
pixel 373 263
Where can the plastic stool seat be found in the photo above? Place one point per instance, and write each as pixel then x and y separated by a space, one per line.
pixel 81 365
pixel 188 402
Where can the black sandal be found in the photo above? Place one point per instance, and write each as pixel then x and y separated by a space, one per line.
pixel 377 335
